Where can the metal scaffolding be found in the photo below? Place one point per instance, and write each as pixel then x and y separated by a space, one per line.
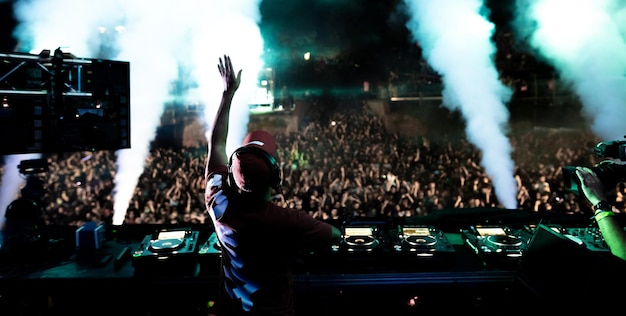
pixel 60 103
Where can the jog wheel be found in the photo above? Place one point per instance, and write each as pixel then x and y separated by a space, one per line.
pixel 166 244
pixel 504 241
pixel 421 241
pixel 360 241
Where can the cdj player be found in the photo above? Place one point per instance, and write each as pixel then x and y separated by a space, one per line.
pixel 497 245
pixel 422 241
pixel 360 239
pixel 168 251
pixel 422 247
pixel 360 248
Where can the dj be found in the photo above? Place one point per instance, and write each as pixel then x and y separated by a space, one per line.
pixel 259 240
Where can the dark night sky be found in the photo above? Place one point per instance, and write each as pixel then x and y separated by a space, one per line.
pixel 368 35
pixel 342 25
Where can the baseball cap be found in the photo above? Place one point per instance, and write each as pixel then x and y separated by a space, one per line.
pixel 261 139
pixel 252 164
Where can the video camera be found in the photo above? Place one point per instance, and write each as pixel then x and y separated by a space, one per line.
pixel 609 172
pixel 31 170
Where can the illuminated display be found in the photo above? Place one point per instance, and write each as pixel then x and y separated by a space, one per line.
pixel 490 231
pixel 358 231
pixel 415 231
pixel 171 235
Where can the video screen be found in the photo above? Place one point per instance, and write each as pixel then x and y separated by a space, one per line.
pixel 490 231
pixel 176 234
pixel 415 231
pixel 358 231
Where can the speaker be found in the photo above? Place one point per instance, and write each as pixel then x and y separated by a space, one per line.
pixel 272 164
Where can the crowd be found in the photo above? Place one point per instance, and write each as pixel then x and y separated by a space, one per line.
pixel 342 162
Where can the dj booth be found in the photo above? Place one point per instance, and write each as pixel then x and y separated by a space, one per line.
pixel 455 260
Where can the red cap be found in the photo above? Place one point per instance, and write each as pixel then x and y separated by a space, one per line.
pixel 261 139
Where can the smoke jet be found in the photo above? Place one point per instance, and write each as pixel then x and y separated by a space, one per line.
pixel 455 36
pixel 584 41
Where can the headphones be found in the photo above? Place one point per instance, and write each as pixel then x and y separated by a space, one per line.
pixel 272 164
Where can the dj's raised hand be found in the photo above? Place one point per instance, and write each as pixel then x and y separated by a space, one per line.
pixel 231 81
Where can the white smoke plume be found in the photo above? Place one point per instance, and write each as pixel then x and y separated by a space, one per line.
pixel 584 41
pixel 455 36
pixel 156 38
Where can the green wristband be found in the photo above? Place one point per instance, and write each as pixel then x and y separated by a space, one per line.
pixel 603 214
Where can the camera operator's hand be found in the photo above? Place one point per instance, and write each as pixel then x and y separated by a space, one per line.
pixel 611 229
pixel 591 185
